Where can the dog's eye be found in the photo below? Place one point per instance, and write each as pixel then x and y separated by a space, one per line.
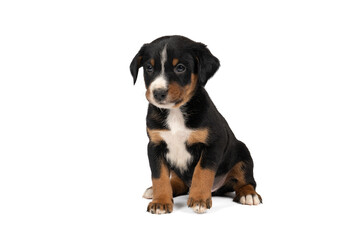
pixel 149 68
pixel 180 68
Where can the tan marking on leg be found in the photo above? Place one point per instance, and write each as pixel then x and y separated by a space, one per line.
pixel 245 193
pixel 234 177
pixel 178 186
pixel 162 193
pixel 200 190
pixel 198 136
pixel 175 61
pixel 237 172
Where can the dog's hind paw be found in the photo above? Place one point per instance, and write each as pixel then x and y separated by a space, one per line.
pixel 246 195
pixel 250 200
pixel 148 194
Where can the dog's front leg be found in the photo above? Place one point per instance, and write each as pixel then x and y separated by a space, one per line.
pixel 201 184
pixel 162 201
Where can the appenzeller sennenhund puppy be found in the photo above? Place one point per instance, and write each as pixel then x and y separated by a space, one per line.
pixel 191 149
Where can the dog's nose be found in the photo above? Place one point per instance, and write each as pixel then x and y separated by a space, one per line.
pixel 160 94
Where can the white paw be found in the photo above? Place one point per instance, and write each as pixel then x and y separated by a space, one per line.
pixel 160 208
pixel 159 211
pixel 148 194
pixel 250 200
pixel 199 209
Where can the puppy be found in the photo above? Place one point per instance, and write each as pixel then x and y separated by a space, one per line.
pixel 191 147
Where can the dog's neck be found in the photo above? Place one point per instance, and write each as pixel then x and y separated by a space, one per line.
pixel 191 111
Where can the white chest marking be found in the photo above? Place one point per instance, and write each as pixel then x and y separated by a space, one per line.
pixel 175 139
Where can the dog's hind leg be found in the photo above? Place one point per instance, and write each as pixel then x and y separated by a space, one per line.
pixel 240 179
pixel 244 184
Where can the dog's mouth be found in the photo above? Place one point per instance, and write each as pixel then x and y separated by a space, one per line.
pixel 167 102
pixel 163 104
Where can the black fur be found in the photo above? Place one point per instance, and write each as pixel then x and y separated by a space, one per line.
pixel 222 150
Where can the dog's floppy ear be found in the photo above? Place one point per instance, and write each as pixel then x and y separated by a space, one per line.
pixel 137 62
pixel 207 64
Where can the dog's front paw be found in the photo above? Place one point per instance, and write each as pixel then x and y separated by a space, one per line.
pixel 199 205
pixel 160 207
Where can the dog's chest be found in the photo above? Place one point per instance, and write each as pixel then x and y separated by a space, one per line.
pixel 176 139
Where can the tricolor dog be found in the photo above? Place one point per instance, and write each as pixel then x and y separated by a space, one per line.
pixel 191 149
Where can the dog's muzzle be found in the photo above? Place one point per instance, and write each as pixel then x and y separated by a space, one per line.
pixel 160 94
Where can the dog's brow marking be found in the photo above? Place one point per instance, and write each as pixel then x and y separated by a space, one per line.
pixel 163 60
pixel 160 81
pixel 175 61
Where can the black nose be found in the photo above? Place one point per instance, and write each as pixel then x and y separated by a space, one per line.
pixel 160 94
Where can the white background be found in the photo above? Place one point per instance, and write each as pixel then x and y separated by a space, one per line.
pixel 73 161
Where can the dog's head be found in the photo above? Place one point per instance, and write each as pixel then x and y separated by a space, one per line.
pixel 174 67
